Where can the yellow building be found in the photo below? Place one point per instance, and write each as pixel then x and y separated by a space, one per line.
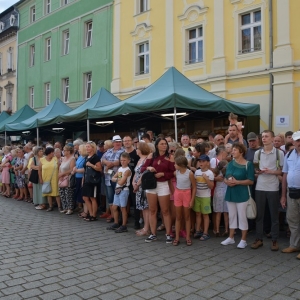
pixel 226 46
pixel 8 62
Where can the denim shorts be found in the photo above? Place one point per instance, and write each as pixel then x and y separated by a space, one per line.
pixel 121 199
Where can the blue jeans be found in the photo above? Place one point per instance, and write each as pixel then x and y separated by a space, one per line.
pixel 110 192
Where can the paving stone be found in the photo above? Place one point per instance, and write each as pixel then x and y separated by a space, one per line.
pixel 30 293
pixel 51 296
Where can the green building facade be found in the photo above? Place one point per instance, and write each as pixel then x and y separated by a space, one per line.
pixel 64 50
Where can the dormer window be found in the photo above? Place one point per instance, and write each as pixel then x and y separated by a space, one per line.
pixel 2 25
pixel 12 20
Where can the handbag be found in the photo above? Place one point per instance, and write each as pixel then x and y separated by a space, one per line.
pixel 34 175
pixel 294 193
pixel 46 186
pixel 91 176
pixel 63 181
pixel 251 210
pixel 72 181
pixel 148 181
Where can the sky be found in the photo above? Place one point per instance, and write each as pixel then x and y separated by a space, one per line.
pixel 4 4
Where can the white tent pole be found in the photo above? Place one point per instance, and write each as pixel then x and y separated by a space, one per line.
pixel 175 123
pixel 88 129
pixel 5 138
pixel 37 137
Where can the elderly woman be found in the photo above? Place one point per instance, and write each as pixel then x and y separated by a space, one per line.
pixel 78 171
pixel 57 154
pixel 20 177
pixel 66 193
pixel 162 165
pixel 76 145
pixel 92 168
pixel 48 171
pixel 13 188
pixel 38 199
pixel 239 175
pixel 5 166
pixel 141 200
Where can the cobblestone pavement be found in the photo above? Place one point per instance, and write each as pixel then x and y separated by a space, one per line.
pixel 47 255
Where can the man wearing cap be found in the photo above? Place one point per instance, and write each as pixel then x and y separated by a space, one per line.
pixel 100 150
pixel 111 162
pixel 291 194
pixel 252 139
pixel 268 163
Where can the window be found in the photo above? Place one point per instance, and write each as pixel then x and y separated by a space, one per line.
pixel 66 90
pixel 195 43
pixel 88 34
pixel 1 65
pixel 88 85
pixel 31 97
pixel 32 14
pixel 9 98
pixel 47 7
pixel 48 49
pixel 10 59
pixel 32 55
pixel 251 32
pixel 64 2
pixel 143 58
pixel 47 93
pixel 143 5
pixel 66 42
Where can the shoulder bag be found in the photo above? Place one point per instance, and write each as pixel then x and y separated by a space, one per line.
pixel 34 174
pixel 46 187
pixel 148 181
pixel 251 205
pixel 91 176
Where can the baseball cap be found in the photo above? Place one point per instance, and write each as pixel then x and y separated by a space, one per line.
pixel 296 135
pixel 70 145
pixel 116 138
pixel 204 157
pixel 251 136
pixel 100 143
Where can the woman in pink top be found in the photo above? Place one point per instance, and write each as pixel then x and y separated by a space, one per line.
pixel 162 165
pixel 5 165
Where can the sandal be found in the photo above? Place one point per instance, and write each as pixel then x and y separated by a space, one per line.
pixel 198 234
pixel 50 208
pixel 216 233
pixel 110 220
pixel 90 219
pixel 161 227
pixel 175 242
pixel 82 215
pixel 225 233
pixel 142 232
pixel 189 243
pixel 205 237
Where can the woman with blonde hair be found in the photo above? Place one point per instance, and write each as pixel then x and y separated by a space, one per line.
pixel 91 180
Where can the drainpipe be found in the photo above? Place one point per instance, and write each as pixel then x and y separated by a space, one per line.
pixel 271 64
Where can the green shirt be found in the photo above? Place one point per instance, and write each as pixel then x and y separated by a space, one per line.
pixel 238 193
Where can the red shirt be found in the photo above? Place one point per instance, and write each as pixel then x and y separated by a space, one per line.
pixel 162 165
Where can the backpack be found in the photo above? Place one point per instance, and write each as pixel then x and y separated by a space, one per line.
pixel 277 157
pixel 289 153
pixel 148 181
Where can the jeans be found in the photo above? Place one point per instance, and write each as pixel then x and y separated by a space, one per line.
pixel 110 192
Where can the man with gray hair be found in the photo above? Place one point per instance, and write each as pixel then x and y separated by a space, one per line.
pixel 218 140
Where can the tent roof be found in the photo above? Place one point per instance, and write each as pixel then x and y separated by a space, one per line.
pixel 44 117
pixel 171 90
pixel 3 116
pixel 100 99
pixel 22 114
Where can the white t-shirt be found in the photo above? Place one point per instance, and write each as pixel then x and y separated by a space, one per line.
pixel 202 187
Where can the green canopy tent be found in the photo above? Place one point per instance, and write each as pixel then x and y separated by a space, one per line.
pixel 100 99
pixel 21 115
pixel 171 91
pixel 44 117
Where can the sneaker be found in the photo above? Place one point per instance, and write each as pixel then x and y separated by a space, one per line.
pixel 228 241
pixel 257 243
pixel 121 229
pixel 242 244
pixel 274 246
pixel 151 238
pixel 113 227
pixel 169 240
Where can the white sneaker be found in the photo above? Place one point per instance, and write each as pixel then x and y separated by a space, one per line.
pixel 242 244
pixel 228 241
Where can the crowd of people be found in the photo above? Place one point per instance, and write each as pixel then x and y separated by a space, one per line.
pixel 197 184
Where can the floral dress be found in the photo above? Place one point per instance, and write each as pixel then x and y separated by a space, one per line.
pixel 140 198
pixel 20 178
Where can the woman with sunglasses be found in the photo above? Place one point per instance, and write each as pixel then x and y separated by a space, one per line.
pixel 162 165
pixel 89 190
